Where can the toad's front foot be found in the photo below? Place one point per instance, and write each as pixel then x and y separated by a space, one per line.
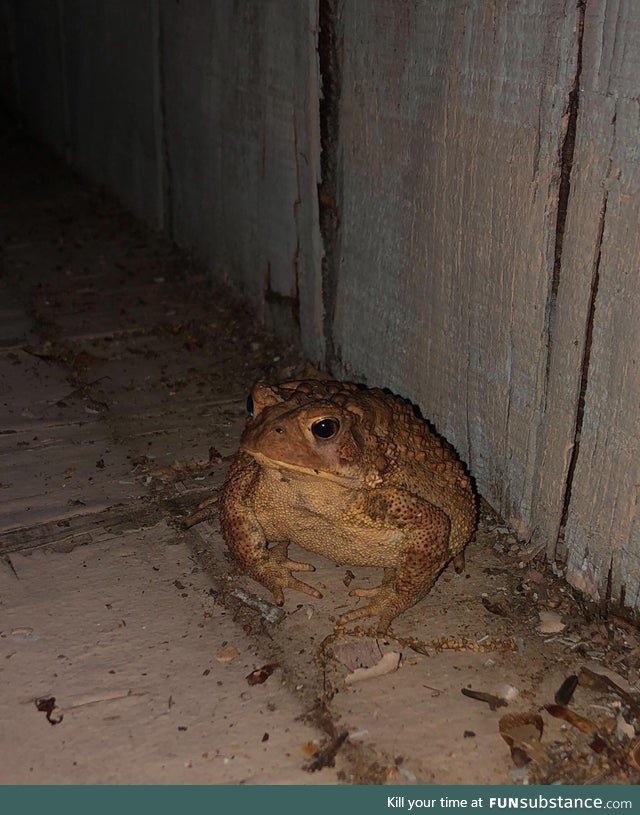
pixel 387 604
pixel 274 572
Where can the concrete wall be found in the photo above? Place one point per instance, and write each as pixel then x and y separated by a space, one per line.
pixel 473 243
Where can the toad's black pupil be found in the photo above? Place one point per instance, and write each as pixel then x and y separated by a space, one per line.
pixel 325 428
pixel 250 405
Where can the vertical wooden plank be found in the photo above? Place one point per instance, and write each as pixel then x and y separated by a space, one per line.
pixel 308 173
pixel 602 534
pixel 8 64
pixel 241 100
pixel 110 97
pixel 451 128
pixel 38 68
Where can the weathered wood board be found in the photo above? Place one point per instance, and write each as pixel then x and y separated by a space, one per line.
pixel 240 89
pixel 84 76
pixel 451 128
pixel 602 535
pixel 8 84
pixel 35 70
pixel 56 460
pixel 109 54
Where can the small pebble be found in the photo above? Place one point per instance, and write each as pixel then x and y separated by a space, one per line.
pixel 550 622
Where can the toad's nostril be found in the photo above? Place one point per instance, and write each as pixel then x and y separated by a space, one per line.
pixel 279 429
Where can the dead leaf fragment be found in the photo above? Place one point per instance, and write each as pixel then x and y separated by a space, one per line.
pixel 386 664
pixel 604 683
pixel 261 675
pixel 22 633
pixel 634 755
pixel 564 693
pixel 326 755
pixel 550 623
pixel 86 360
pixel 494 608
pixel 362 652
pixel 494 702
pixel 624 729
pixel 48 706
pixel 575 719
pixel 227 654
pixel 522 732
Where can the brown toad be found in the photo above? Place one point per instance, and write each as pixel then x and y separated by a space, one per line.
pixel 352 474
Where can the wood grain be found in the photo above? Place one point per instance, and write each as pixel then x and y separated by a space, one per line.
pixel 602 535
pixel 451 129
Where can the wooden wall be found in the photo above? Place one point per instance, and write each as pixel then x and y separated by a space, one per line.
pixel 451 130
pixel 489 253
pixel 241 148
pixel 602 264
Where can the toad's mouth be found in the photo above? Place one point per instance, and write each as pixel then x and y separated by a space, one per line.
pixel 339 478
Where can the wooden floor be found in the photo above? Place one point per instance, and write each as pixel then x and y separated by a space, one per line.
pixel 122 392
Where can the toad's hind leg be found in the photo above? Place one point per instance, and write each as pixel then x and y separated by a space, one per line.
pixel 423 554
pixel 387 580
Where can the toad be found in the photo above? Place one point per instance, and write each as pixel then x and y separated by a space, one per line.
pixel 351 473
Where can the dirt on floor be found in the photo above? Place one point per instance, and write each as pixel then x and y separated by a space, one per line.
pixel 132 649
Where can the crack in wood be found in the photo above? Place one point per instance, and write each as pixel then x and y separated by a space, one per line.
pixel 584 375
pixel 164 163
pixel 329 60
pixel 297 204
pixel 79 528
pixel 570 123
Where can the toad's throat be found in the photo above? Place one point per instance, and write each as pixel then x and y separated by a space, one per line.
pixel 339 478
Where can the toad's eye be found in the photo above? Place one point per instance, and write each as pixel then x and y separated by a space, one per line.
pixel 325 428
pixel 250 405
